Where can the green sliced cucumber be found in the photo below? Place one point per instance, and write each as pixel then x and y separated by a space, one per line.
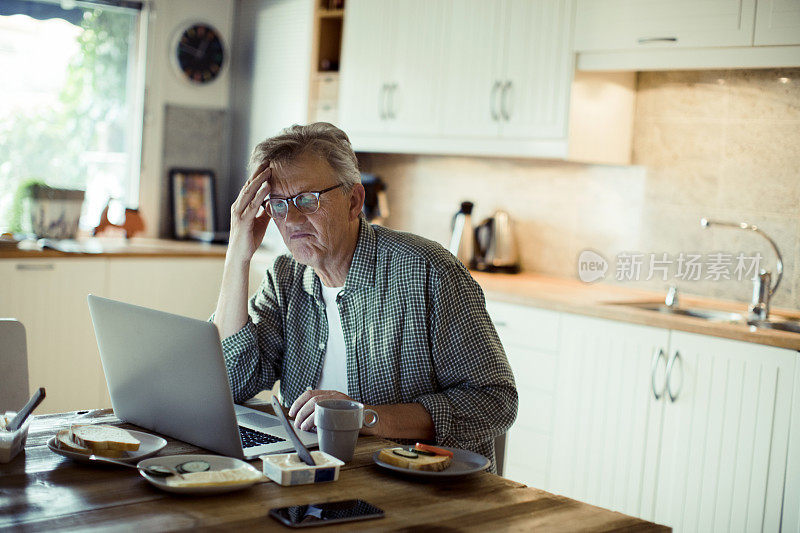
pixel 193 466
pixel 425 452
pixel 407 454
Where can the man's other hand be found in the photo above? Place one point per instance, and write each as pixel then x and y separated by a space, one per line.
pixel 303 408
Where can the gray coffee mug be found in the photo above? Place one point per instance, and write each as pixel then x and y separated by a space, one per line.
pixel 338 423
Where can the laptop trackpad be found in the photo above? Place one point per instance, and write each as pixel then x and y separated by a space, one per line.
pixel 261 421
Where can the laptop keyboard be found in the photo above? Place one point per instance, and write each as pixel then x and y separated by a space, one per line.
pixel 251 437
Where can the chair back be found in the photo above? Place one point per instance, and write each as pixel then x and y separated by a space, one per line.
pixel 13 365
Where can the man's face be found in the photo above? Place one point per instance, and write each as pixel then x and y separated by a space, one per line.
pixel 317 237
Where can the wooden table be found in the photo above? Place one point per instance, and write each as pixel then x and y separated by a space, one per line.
pixel 40 490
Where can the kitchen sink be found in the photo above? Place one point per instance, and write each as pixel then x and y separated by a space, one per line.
pixel 782 325
pixel 711 315
pixel 776 322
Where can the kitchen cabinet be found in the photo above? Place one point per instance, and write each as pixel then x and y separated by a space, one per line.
pixel 686 430
pixel 626 25
pixel 608 420
pixel 49 298
pixel 187 287
pixel 530 339
pixel 614 35
pixel 388 79
pixel 777 22
pixel 725 435
pixel 485 77
pixel 508 69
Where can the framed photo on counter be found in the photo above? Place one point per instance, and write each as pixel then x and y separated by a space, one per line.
pixel 192 201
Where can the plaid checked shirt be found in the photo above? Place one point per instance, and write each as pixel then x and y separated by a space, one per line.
pixel 415 328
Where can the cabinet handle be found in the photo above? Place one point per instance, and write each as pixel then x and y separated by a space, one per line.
pixel 503 102
pixel 391 111
pixel 647 40
pixel 382 101
pixel 657 355
pixel 34 267
pixel 493 100
pixel 499 324
pixel 670 364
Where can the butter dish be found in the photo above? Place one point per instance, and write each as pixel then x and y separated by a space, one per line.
pixel 12 442
pixel 289 469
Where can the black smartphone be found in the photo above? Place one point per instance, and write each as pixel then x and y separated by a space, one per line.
pixel 320 514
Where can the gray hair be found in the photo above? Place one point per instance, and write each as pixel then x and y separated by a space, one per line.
pixel 320 138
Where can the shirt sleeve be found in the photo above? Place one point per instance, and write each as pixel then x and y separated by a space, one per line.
pixel 254 354
pixel 478 398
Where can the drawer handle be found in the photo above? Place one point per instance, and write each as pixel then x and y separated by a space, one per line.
pixel 493 100
pixel 31 268
pixel 656 357
pixel 647 40
pixel 670 364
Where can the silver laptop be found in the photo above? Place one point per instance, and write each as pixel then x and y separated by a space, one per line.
pixel 166 373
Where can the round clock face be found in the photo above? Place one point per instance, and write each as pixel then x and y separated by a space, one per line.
pixel 199 53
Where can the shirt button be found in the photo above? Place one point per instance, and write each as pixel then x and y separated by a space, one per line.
pixel 321 345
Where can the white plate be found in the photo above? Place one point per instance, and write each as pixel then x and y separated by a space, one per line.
pixel 464 462
pixel 217 462
pixel 150 445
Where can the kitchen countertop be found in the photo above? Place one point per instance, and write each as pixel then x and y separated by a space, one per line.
pixel 602 301
pixel 556 294
pixel 117 247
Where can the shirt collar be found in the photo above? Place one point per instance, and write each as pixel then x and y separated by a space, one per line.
pixel 362 267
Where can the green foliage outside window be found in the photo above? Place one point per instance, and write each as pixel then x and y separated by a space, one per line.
pixel 50 144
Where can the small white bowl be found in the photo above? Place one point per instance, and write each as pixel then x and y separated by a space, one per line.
pixel 12 442
pixel 289 469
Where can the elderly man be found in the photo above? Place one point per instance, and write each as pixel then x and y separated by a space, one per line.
pixel 356 311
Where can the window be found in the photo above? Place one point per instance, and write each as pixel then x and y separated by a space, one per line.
pixel 70 102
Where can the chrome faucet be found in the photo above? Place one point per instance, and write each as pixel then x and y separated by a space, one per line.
pixel 762 289
pixel 671 301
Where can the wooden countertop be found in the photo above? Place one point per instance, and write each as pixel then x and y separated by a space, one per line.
pixel 44 491
pixel 117 247
pixel 603 301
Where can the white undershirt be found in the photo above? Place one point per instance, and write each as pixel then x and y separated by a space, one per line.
pixel 334 364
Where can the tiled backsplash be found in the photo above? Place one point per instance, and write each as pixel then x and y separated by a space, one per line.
pixel 719 144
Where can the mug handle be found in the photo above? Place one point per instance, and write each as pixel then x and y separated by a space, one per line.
pixel 374 418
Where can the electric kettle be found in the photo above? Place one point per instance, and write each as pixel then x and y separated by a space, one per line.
pixel 462 240
pixel 495 248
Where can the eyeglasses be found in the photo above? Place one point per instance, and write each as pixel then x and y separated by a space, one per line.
pixel 305 202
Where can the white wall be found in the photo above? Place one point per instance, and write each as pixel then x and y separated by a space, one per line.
pixel 163 86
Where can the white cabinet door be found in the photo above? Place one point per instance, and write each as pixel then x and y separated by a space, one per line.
pixel 187 287
pixel 777 22
pixel 607 419
pixel 473 68
pixel 530 339
pixel 366 53
pixel 642 24
pixel 49 298
pixel 414 67
pixel 538 69
pixel 725 435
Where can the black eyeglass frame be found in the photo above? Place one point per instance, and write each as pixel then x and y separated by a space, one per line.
pixel 293 199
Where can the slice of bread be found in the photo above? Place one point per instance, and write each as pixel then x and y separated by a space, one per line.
pixel 65 442
pixel 433 463
pixel 102 437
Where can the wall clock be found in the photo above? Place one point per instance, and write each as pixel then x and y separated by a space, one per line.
pixel 199 53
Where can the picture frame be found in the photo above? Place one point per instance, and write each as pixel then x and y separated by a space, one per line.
pixel 193 206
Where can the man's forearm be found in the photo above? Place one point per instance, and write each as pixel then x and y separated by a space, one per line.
pixel 402 421
pixel 231 313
